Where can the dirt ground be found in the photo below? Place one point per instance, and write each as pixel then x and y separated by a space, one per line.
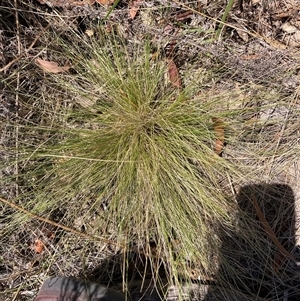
pixel 258 46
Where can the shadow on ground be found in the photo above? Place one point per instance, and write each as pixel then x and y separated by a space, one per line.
pixel 251 265
pixel 254 265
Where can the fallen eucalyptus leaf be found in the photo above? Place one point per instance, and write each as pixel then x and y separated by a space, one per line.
pixel 51 67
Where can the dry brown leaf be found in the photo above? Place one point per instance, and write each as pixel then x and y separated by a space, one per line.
pixel 220 135
pixel 134 8
pixel 173 74
pixel 243 35
pixel 89 32
pixel 183 16
pixel 51 67
pixel 38 246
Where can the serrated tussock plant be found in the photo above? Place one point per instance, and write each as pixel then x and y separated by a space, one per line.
pixel 133 158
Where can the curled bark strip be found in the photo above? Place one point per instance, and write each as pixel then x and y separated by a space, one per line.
pixel 220 135
pixel 173 74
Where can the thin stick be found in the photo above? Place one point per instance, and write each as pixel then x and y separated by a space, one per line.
pixel 283 128
pixel 16 171
pixel 50 222
pixel 270 231
pixel 24 52
pixel 17 293
pixel 124 246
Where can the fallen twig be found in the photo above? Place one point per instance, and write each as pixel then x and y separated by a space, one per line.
pixel 24 52
pixel 270 231
pixel 48 221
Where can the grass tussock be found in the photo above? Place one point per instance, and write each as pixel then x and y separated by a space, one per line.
pixel 131 157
